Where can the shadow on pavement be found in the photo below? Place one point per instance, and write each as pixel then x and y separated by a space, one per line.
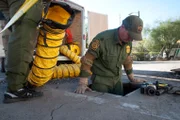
pixel 157 73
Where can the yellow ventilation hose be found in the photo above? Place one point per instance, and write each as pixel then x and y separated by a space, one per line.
pixel 74 48
pixel 66 70
pixel 44 65
pixel 70 54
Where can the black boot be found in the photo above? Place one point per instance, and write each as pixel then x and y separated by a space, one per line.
pixel 22 94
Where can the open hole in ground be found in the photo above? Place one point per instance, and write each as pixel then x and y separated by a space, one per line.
pixel 130 87
pixel 127 88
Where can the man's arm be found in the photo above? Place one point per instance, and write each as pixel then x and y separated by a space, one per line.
pixel 86 64
pixel 129 70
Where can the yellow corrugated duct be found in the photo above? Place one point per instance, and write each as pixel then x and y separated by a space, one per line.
pixel 46 57
pixel 74 48
pixel 57 18
pixel 70 54
pixel 66 70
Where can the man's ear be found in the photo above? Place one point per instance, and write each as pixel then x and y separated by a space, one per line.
pixel 122 26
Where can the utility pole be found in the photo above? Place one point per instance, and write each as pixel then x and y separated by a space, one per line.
pixel 138 13
pixel 120 19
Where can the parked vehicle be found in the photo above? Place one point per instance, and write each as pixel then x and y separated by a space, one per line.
pixel 77 29
pixel 174 53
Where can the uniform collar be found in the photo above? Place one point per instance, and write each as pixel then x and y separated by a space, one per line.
pixel 116 37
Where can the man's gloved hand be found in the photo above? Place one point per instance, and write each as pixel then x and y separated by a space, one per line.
pixel 138 80
pixel 135 80
pixel 82 88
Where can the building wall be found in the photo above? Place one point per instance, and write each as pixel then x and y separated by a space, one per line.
pixel 96 23
pixel 76 28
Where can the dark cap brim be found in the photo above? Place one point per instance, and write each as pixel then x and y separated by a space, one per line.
pixel 135 36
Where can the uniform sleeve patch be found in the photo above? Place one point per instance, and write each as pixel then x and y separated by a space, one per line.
pixel 95 44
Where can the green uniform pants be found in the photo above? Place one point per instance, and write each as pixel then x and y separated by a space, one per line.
pixel 107 84
pixel 21 43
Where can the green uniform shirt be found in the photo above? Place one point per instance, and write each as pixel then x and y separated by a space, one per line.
pixel 110 55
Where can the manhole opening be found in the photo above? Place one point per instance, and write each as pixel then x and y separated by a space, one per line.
pixel 129 87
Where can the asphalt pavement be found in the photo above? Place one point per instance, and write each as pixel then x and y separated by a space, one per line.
pixel 61 103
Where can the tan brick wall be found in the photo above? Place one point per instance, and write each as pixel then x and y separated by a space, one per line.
pixel 76 29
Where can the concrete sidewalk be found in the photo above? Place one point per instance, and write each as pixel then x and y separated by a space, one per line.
pixel 61 103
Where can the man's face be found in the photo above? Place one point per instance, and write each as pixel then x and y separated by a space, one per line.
pixel 124 35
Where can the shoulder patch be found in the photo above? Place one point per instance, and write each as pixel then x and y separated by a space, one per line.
pixel 128 49
pixel 95 44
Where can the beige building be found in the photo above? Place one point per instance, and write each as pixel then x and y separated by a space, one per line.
pixel 96 23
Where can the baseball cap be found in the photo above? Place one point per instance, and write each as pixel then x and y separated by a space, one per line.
pixel 134 26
